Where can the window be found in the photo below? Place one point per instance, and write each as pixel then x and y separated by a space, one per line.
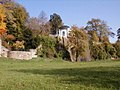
pixel 63 33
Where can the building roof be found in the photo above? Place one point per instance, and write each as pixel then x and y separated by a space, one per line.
pixel 64 27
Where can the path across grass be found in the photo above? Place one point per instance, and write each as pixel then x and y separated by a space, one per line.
pixel 43 74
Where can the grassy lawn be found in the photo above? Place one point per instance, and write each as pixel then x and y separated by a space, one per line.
pixel 43 74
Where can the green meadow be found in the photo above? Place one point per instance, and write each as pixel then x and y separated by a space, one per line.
pixel 48 74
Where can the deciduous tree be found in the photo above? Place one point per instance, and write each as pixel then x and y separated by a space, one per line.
pixel 2 24
pixel 39 25
pixel 2 20
pixel 16 17
pixel 99 27
pixel 78 45
pixel 43 18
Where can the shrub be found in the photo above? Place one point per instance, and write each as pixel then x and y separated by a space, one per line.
pixel 18 45
pixel 98 52
pixel 117 47
pixel 110 50
pixel 62 51
pixel 47 48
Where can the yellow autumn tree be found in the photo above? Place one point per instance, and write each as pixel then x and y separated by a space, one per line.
pixel 2 25
pixel 78 45
pixel 2 20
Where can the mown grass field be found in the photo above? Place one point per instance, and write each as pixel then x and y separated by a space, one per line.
pixel 43 74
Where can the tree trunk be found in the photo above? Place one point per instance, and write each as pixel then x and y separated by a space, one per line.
pixel 71 55
pixel 77 56
pixel 88 57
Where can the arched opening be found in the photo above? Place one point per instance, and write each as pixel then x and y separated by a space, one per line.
pixel 63 33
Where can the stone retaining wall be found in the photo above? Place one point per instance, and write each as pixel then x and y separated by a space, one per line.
pixel 23 55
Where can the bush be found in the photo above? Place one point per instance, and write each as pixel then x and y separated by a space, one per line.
pixel 62 51
pixel 31 41
pixel 117 47
pixel 97 51
pixel 18 46
pixel 110 50
pixel 47 47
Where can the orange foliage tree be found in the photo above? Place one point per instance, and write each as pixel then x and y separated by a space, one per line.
pixel 2 19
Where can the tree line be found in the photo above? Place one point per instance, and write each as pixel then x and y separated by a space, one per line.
pixel 21 32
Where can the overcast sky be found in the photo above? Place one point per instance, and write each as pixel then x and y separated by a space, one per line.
pixel 77 12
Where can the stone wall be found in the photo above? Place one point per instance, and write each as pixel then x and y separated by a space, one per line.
pixel 33 53
pixel 23 55
pixel 4 52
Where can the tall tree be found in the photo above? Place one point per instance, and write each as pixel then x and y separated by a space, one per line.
pixel 44 24
pixel 16 17
pixel 117 44
pixel 5 1
pixel 10 19
pixel 99 32
pixel 21 16
pixel 33 23
pixel 39 25
pixel 78 46
pixel 2 25
pixel 56 22
pixel 93 36
pixel 42 18
pixel 118 34
pixel 2 19
pixel 100 27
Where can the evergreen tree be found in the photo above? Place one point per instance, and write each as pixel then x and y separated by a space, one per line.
pixel 55 22
pixel 118 34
